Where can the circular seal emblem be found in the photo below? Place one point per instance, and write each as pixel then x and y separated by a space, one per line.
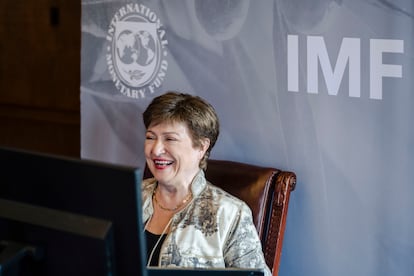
pixel 137 50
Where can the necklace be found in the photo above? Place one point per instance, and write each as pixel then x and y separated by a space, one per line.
pixel 179 205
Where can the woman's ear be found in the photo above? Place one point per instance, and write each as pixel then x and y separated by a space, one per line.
pixel 205 144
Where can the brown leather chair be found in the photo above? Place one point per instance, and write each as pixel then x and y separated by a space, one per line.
pixel 266 190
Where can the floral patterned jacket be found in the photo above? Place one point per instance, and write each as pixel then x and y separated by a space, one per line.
pixel 214 230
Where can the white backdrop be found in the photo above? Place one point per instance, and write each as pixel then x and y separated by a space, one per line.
pixel 322 88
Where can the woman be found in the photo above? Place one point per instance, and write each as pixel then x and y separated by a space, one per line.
pixel 188 221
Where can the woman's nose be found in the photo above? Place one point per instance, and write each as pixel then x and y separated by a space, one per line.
pixel 158 148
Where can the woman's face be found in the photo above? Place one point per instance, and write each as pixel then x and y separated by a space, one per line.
pixel 170 154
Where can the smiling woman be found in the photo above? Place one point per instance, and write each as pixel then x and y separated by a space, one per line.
pixel 188 221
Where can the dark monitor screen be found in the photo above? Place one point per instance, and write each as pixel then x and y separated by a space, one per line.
pixel 66 216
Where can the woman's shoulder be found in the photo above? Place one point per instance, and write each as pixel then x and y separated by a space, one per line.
pixel 223 197
pixel 148 181
pixel 148 185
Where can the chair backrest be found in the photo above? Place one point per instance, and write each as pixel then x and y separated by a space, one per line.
pixel 267 191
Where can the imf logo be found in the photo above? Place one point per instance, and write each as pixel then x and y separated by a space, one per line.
pixel 137 50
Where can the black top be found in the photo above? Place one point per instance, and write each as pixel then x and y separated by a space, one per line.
pixel 152 240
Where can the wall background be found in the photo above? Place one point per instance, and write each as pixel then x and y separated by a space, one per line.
pixel 353 154
pixel 40 75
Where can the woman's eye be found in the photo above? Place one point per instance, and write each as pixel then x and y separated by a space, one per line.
pixel 149 137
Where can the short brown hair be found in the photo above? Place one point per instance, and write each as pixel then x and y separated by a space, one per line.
pixel 199 116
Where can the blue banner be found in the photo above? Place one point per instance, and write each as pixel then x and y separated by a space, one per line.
pixel 322 88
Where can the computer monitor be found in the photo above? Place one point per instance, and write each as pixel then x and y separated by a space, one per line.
pixel 66 216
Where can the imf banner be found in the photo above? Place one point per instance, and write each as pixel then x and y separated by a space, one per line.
pixel 324 88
